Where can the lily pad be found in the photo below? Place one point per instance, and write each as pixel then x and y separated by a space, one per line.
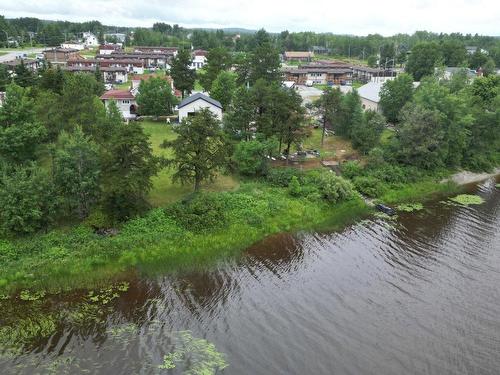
pixel 410 207
pixel 467 199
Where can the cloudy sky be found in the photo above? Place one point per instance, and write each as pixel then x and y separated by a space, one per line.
pixel 358 17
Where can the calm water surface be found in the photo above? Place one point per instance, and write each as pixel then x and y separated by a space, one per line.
pixel 415 295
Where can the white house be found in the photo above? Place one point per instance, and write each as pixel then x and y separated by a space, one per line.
pixel 73 45
pixel 196 102
pixel 89 39
pixel 370 93
pixel 124 100
pixel 199 59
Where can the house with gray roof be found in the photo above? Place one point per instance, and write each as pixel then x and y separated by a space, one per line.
pixel 189 106
pixel 370 94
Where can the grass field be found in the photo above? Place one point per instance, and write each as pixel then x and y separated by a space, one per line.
pixel 164 190
pixel 333 147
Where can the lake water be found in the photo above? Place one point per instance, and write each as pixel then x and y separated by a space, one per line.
pixel 419 294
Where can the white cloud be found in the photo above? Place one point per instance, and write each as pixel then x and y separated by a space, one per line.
pixel 358 17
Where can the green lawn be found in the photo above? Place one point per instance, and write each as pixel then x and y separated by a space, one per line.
pixel 164 190
pixel 198 86
pixel 333 147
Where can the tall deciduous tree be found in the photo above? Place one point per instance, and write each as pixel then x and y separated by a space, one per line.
pixel 394 95
pixel 366 135
pixel 155 97
pixel 20 133
pixel 183 76
pixel 27 199
pixel 424 57
pixel 200 149
pixel 76 170
pixel 328 107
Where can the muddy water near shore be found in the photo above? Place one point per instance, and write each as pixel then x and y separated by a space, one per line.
pixel 416 294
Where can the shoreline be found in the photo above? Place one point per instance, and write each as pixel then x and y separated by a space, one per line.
pixel 467 177
pixel 161 252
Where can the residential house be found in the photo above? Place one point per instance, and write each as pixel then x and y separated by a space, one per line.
pixel 90 40
pixel 60 56
pixel 366 74
pixel 125 101
pixel 320 50
pixel 73 45
pixel 370 93
pixel 171 51
pixel 155 60
pixel 199 59
pixel 110 74
pixel 472 49
pixel 108 49
pixel 196 102
pixel 298 56
pixel 132 66
pixel 119 37
pixel 449 71
pixel 30 64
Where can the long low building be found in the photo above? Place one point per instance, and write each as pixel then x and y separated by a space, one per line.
pixel 132 65
pixel 60 55
pixel 319 76
pixel 150 60
pixel 110 74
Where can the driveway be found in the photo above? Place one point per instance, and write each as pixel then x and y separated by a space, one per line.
pixel 309 94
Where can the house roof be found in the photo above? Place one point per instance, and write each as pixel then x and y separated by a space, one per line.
pixel 117 94
pixel 319 70
pixel 371 91
pixel 145 77
pixel 199 96
pixel 200 52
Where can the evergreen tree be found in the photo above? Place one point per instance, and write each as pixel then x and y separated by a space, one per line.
pixel 264 60
pixel 24 77
pixel 238 120
pixel 223 88
pixel 183 76
pixel 218 60
pixel 128 164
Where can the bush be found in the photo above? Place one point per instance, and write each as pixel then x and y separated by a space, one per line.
pixel 369 186
pixel 294 187
pixel 283 176
pixel 351 169
pixel 251 158
pixel 199 212
pixel 334 188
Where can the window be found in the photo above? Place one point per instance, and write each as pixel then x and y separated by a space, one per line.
pixel 125 101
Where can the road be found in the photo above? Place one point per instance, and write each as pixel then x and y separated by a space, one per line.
pixel 11 54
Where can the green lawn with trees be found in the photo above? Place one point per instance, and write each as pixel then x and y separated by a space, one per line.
pixel 87 198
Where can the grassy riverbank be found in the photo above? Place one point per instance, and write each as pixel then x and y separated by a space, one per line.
pixel 66 259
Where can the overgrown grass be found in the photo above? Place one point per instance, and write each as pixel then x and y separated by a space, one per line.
pixel 419 191
pixel 66 259
pixel 334 146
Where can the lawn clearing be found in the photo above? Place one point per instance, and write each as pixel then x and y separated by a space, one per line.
pixel 164 190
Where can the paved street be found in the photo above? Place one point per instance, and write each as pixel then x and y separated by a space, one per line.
pixel 11 55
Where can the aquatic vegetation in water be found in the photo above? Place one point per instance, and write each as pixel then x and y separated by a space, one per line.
pixel 197 356
pixel 105 296
pixel 27 295
pixel 467 199
pixel 26 330
pixel 410 207
pixel 382 215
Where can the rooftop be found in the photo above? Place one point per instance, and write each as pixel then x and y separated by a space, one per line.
pixel 199 96
pixel 298 54
pixel 117 94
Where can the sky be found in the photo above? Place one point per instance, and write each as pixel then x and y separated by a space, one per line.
pixel 357 17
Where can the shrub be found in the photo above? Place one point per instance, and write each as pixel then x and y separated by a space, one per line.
pixel 199 212
pixel 369 186
pixel 283 176
pixel 294 187
pixel 334 188
pixel 351 169
pixel 251 158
